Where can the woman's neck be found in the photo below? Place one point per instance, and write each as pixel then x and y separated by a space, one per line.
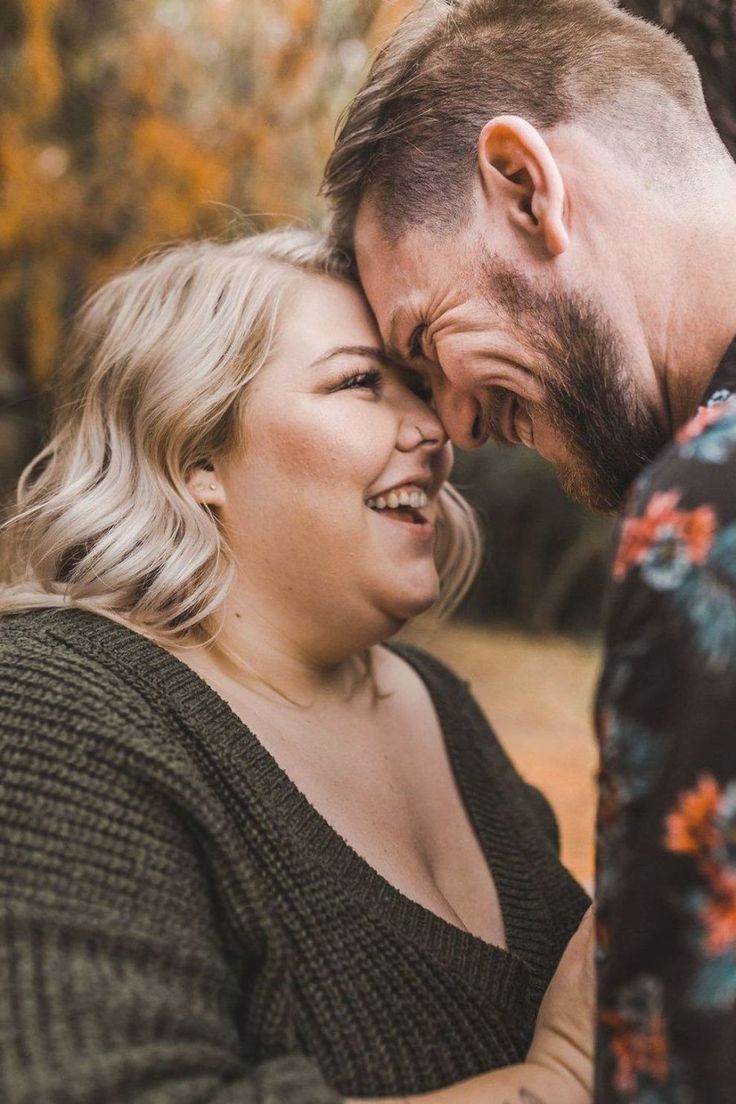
pixel 282 658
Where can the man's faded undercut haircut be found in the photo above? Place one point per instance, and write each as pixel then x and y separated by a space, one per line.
pixel 409 139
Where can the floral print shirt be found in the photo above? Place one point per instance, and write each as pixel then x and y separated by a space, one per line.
pixel 666 719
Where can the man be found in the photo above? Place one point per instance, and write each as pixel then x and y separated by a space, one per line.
pixel 544 220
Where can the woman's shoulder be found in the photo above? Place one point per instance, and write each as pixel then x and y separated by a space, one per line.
pixel 81 693
pixel 465 723
pixel 66 671
pixel 462 718
pixel 66 647
pixel 435 672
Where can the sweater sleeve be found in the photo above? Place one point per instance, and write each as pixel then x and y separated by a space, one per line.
pixel 114 977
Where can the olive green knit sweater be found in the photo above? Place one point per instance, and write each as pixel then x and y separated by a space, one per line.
pixel 179 924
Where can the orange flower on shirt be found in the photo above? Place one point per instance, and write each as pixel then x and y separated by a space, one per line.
pixel 638 1039
pixel 692 531
pixel 636 1054
pixel 703 824
pixel 691 828
pixel 718 916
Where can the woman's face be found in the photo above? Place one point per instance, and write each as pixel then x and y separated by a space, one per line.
pixel 336 437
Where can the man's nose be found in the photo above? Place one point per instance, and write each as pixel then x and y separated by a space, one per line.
pixel 461 416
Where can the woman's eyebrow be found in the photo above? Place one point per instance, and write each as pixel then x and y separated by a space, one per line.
pixel 368 351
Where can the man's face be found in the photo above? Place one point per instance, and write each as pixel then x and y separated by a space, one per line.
pixel 510 360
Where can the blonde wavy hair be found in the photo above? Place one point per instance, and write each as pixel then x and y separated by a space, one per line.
pixel 156 383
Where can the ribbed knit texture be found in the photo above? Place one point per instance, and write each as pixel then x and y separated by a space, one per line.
pixel 179 924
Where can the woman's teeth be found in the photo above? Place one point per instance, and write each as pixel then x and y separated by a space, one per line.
pixel 416 499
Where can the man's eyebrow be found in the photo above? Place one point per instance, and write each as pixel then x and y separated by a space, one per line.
pixel 368 351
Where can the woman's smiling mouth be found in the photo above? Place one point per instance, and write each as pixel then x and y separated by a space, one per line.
pixel 405 496
pixel 404 505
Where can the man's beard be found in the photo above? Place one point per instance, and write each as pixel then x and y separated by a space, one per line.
pixel 591 397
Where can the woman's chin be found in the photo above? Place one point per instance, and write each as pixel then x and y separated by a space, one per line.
pixel 407 604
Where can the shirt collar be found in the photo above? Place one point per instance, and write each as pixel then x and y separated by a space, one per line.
pixel 723 384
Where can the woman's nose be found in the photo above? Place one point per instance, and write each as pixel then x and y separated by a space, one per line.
pixel 421 427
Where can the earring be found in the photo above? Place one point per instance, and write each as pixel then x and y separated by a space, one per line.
pixel 213 486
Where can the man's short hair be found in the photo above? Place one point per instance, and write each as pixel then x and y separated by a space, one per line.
pixel 409 139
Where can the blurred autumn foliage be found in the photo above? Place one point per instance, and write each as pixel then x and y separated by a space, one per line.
pixel 129 123
pixel 132 122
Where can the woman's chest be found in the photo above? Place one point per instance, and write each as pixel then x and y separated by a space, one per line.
pixel 385 999
pixel 387 788
pixel 341 959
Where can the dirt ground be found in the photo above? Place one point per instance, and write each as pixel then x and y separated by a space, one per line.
pixel 538 694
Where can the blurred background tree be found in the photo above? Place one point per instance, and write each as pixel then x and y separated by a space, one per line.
pixel 708 29
pixel 135 122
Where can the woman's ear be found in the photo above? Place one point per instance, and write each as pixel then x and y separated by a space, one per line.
pixel 204 485
pixel 517 168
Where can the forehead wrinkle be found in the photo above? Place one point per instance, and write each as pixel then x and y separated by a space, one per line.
pixel 402 313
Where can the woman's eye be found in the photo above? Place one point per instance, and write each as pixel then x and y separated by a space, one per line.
pixel 421 388
pixel 367 380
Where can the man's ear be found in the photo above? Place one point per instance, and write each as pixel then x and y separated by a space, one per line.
pixel 515 162
pixel 205 486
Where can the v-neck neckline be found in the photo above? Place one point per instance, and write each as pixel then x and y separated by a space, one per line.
pixel 479 775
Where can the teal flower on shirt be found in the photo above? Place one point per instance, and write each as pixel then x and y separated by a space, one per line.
pixel 633 755
pixel 667 561
pixel 710 436
pixel 706 599
pixel 714 987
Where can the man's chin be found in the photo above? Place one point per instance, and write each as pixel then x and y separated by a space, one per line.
pixel 580 485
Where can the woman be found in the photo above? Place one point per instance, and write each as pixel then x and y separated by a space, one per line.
pixel 249 852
